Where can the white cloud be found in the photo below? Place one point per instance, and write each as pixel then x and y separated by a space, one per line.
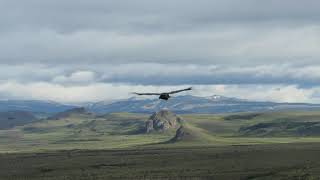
pixel 104 91
pixel 73 93
pixel 164 74
pixel 274 93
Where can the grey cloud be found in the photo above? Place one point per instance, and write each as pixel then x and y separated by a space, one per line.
pixel 161 74
pixel 146 15
pixel 237 45
pixel 151 42
pixel 183 31
pixel 166 74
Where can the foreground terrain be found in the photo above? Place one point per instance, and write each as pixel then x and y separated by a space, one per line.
pixel 280 161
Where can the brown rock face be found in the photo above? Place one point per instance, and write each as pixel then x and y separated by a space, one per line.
pixel 162 120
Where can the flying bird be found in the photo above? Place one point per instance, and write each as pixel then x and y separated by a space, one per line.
pixel 164 95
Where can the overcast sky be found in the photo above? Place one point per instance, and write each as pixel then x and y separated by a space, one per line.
pixel 80 50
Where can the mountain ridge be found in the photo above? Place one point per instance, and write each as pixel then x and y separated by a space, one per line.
pixel 33 106
pixel 195 104
pixel 178 104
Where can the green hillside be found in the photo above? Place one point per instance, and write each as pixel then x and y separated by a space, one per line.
pixel 233 124
pixel 79 131
pixel 190 134
pixel 82 130
pixel 11 119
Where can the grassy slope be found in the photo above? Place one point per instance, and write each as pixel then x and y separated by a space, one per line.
pixel 224 129
pixel 123 130
pixel 228 125
pixel 79 132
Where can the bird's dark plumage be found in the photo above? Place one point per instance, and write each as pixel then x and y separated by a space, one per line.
pixel 165 95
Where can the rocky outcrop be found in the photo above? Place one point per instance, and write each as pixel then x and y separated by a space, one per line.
pixel 188 133
pixel 162 121
pixel 181 134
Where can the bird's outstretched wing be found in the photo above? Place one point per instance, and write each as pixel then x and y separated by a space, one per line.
pixel 187 89
pixel 146 93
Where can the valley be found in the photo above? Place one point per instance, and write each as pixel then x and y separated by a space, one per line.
pixel 78 144
pixel 79 129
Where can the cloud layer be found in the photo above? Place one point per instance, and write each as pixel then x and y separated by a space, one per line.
pixel 80 50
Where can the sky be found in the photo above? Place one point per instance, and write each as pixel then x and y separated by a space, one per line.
pixel 80 50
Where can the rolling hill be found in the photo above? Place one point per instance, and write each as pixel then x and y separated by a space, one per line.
pixel 11 119
pixel 33 106
pixel 179 104
pixel 191 134
pixel 78 129
pixel 286 128
pixel 69 112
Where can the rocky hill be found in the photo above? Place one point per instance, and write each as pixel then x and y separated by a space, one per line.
pixel 182 131
pixel 162 121
pixel 187 133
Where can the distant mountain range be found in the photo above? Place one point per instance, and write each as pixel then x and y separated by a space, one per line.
pixel 194 104
pixel 35 106
pixel 179 104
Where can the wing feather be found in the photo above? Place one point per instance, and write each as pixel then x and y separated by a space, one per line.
pixel 140 94
pixel 172 92
pixel 187 89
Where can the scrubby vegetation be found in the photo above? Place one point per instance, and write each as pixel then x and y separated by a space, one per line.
pixel 82 130
pixel 286 128
pixel 286 161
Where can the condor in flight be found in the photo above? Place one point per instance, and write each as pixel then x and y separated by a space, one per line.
pixel 165 95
